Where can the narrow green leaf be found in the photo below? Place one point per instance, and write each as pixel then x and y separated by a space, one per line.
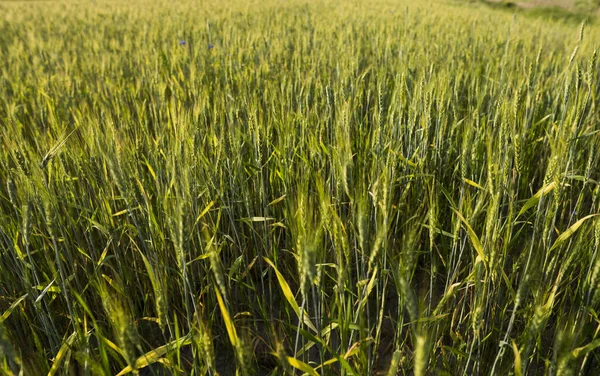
pixel 155 355
pixel 533 201
pixel 570 231
pixel 64 350
pixel 289 296
pixel 12 307
pixel 474 239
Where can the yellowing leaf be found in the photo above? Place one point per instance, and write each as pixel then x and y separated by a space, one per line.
pixel 201 257
pixel 112 283
pixel 518 363
pixel 231 332
pixel 327 363
pixel 276 200
pixel 576 353
pixel 121 213
pixel 325 332
pixel 112 345
pixel 407 161
pixel 206 209
pixel 302 366
pixel 46 289
pixel 473 184
pixel 370 286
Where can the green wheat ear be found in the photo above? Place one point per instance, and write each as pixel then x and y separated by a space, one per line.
pixel 55 149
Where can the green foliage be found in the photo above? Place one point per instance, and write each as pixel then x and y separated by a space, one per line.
pixel 277 187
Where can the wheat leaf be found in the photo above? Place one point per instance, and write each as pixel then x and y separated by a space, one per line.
pixel 474 239
pixel 570 231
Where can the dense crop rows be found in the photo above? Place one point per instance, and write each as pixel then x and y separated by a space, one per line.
pixel 329 187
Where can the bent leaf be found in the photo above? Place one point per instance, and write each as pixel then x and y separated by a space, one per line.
pixel 12 307
pixel 533 201
pixel 302 366
pixel 155 355
pixel 570 231
pixel 585 349
pixel 231 332
pixel 287 292
pixel 473 184
pixel 64 350
pixel 474 239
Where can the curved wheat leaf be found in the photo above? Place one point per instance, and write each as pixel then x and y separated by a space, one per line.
pixel 287 292
pixel 302 366
pixel 155 355
pixel 536 198
pixel 570 231
pixel 474 238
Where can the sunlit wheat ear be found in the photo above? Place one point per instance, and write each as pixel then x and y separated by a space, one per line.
pixel 55 149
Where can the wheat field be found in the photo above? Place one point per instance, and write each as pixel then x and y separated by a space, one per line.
pixel 297 187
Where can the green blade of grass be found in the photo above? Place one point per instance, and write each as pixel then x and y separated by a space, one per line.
pixel 155 355
pixel 12 307
pixel 473 237
pixel 533 201
pixel 289 296
pixel 570 231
